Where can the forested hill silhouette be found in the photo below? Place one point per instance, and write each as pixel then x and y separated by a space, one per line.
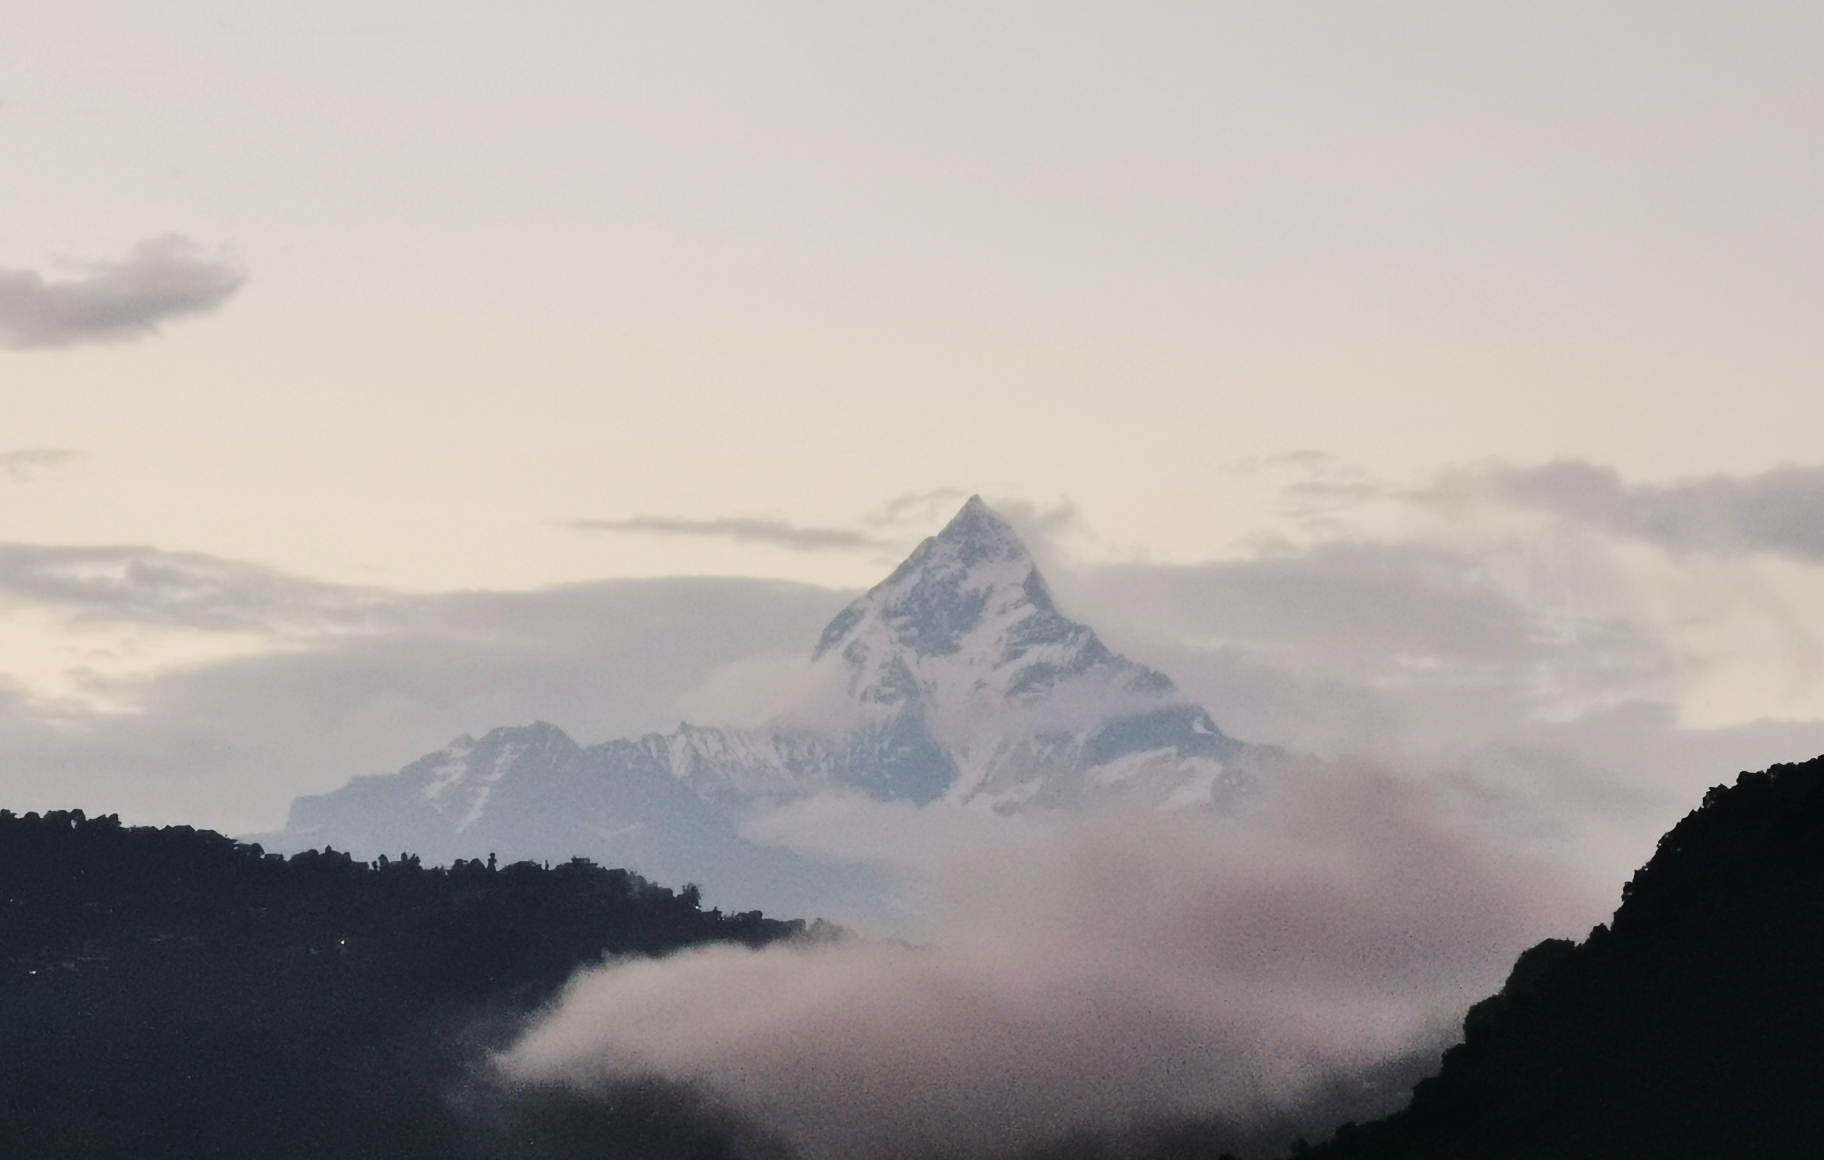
pixel 173 993
pixel 1690 1026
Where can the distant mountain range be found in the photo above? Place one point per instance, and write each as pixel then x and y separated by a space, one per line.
pixel 954 680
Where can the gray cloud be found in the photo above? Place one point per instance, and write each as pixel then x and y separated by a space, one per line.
pixel 927 508
pixel 229 743
pixel 773 533
pixel 872 533
pixel 1781 510
pixel 136 584
pixel 25 463
pixel 1340 646
pixel 1363 599
pixel 1536 681
pixel 163 278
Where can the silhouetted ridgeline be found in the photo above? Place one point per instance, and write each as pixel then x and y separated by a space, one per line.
pixel 172 993
pixel 1691 1026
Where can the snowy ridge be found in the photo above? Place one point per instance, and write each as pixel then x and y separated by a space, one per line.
pixel 744 765
pixel 460 778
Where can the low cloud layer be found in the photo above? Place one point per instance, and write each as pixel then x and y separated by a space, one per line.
pixel 163 278
pixel 1084 973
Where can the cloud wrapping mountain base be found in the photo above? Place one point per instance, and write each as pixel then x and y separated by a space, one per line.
pixel 1081 972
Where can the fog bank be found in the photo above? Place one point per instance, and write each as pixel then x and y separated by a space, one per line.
pixel 1077 972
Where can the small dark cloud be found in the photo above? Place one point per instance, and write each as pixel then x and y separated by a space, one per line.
pixel 774 533
pixel 887 530
pixel 163 278
pixel 922 507
pixel 25 463
pixel 182 589
pixel 1780 511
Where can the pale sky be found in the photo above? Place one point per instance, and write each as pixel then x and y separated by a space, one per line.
pixel 512 265
pixel 392 297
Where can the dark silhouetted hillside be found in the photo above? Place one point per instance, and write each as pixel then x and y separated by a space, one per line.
pixel 1691 1026
pixel 172 993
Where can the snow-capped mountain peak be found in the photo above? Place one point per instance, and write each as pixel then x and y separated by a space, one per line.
pixel 966 679
pixel 976 566
pixel 968 614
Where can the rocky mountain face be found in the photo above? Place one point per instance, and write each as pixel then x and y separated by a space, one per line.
pixel 955 680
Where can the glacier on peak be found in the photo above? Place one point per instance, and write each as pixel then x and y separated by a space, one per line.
pixel 956 679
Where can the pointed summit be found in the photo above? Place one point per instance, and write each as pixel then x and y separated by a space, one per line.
pixel 976 567
pixel 979 526
pixel 968 680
